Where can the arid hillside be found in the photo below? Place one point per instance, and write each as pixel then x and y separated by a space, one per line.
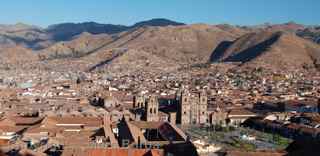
pixel 280 50
pixel 158 44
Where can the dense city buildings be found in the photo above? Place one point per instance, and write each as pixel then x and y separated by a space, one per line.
pixel 64 117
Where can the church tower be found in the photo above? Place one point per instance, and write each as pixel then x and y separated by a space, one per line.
pixel 152 109
pixel 139 102
pixel 203 107
pixel 185 108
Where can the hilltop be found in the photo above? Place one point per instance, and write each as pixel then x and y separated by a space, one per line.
pixel 278 50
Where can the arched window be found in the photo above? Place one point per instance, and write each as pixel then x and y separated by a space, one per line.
pixel 150 110
pixel 155 111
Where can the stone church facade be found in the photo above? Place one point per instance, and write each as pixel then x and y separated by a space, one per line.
pixel 193 108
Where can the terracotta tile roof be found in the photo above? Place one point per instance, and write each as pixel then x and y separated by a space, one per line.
pixel 11 128
pixel 313 116
pixel 17 120
pixel 125 152
pixel 262 153
pixel 39 129
pixel 87 121
pixel 236 112
pixel 293 126
pixel 298 103
pixel 144 125
pixel 308 130
pixel 168 97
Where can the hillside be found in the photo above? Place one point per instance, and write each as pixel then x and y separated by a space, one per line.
pixel 66 31
pixel 312 33
pixel 132 61
pixel 187 44
pixel 81 45
pixel 23 35
pixel 278 50
pixel 183 44
pixel 92 46
pixel 17 56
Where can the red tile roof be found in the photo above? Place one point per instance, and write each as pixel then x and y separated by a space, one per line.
pixel 87 121
pixel 11 128
pixel 125 152
pixel 262 153
pixel 17 120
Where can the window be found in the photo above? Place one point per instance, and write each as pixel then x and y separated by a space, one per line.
pixel 150 110
pixel 155 111
pixel 184 112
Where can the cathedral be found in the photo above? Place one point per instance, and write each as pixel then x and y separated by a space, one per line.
pixel 190 108
pixel 193 108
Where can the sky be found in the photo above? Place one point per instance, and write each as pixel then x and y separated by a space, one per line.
pixel 128 12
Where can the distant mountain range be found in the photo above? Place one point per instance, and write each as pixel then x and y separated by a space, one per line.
pixel 33 37
pixel 161 44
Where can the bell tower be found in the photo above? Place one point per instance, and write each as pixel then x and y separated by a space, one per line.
pixel 185 108
pixel 152 109
pixel 139 102
pixel 203 106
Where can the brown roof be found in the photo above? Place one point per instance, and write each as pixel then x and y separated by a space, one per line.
pixel 313 116
pixel 11 128
pixel 308 130
pixel 298 103
pixel 144 124
pixel 262 153
pixel 125 152
pixel 293 126
pixel 235 112
pixel 87 121
pixel 17 120
pixel 39 129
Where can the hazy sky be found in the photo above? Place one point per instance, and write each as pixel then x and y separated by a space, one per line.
pixel 242 12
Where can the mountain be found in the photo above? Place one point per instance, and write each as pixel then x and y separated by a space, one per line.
pixel 310 33
pixel 17 56
pixel 79 46
pixel 182 44
pixel 158 45
pixel 173 46
pixel 66 31
pixel 149 48
pixel 130 61
pixel 157 22
pixel 24 35
pixel 290 26
pixel 277 50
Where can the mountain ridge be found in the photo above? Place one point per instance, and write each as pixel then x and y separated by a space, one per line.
pixel 275 49
pixel 95 47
